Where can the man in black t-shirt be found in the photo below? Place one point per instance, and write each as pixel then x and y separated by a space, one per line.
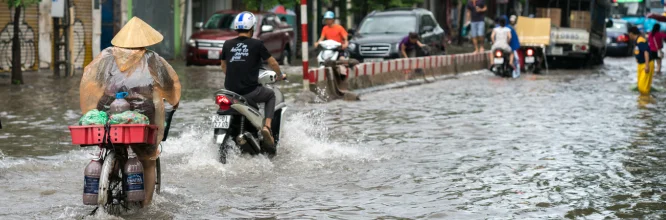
pixel 241 60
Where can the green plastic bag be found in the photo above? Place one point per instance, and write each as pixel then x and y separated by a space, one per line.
pixel 94 117
pixel 128 117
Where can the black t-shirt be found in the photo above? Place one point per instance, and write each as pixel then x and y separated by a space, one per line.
pixel 243 56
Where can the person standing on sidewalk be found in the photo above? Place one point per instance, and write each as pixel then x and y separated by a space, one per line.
pixel 477 11
pixel 656 42
pixel 645 67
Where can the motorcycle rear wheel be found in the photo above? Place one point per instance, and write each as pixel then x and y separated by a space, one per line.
pixel 224 148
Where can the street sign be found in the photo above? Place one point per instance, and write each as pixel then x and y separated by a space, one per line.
pixel 58 8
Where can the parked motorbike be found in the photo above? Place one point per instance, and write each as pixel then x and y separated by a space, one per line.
pixel 533 59
pixel 330 51
pixel 239 120
pixel 502 64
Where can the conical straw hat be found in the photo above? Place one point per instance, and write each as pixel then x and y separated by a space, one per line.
pixel 136 33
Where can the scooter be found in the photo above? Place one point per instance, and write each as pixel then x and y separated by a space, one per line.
pixel 239 120
pixel 533 59
pixel 330 52
pixel 501 64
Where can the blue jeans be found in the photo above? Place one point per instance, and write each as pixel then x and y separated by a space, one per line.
pixel 477 28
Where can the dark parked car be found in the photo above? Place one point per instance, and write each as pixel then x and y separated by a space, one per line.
pixel 204 46
pixel 617 39
pixel 379 34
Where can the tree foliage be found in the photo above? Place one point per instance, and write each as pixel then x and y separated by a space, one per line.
pixel 371 5
pixel 21 3
pixel 268 4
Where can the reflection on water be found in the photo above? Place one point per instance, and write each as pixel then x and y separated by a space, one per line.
pixel 571 144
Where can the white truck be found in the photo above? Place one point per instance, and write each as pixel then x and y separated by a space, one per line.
pixel 578 30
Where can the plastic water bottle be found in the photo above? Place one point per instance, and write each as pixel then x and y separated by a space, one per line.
pixel 91 182
pixel 119 105
pixel 134 171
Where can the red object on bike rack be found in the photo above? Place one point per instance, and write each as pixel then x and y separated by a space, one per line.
pixel 119 134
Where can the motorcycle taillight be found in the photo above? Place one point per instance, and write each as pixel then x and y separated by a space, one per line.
pixel 530 52
pixel 223 101
pixel 498 53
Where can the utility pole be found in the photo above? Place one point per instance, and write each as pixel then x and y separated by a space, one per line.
pixel 59 44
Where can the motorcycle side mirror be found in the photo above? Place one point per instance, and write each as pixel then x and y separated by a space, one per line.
pixel 266 28
pixel 609 23
pixel 350 33
pixel 198 25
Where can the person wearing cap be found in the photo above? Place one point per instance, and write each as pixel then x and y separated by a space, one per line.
pixel 241 60
pixel 644 60
pixel 148 79
pixel 333 31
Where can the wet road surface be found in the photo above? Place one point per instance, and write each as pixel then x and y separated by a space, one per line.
pixel 570 144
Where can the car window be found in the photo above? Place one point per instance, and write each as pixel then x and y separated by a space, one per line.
pixel 270 20
pixel 618 27
pixel 426 20
pixel 220 21
pixel 388 25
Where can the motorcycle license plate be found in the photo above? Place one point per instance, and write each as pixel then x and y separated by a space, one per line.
pixel 214 54
pixel 221 121
pixel 498 61
pixel 529 59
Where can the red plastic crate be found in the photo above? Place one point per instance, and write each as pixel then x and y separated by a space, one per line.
pixel 119 134
pixel 87 134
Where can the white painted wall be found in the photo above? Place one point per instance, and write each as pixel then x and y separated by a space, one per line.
pixel 97 28
pixel 45 32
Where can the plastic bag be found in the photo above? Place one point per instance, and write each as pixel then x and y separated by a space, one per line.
pixel 94 117
pixel 128 117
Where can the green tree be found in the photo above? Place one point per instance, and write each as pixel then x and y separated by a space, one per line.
pixel 268 4
pixel 18 6
pixel 366 6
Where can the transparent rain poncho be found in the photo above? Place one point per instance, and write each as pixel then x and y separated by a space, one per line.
pixel 144 75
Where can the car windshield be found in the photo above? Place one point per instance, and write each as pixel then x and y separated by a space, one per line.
pixel 388 25
pixel 220 21
pixel 618 27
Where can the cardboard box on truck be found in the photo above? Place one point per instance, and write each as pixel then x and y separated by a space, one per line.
pixel 580 20
pixel 555 15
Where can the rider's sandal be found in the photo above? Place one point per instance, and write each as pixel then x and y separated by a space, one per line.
pixel 268 135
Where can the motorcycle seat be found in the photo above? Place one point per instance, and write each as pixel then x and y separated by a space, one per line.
pixel 251 103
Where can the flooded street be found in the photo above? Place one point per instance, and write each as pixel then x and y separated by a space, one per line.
pixel 568 144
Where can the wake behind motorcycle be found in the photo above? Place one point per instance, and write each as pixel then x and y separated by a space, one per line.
pixel 239 120
pixel 501 64
pixel 330 52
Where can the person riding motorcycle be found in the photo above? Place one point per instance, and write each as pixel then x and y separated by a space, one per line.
pixel 241 60
pixel 148 79
pixel 515 43
pixel 333 31
pixel 501 37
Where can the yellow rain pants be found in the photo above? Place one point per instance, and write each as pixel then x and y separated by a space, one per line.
pixel 645 79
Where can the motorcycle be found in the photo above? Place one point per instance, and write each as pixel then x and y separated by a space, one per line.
pixel 501 64
pixel 330 51
pixel 114 181
pixel 533 59
pixel 239 120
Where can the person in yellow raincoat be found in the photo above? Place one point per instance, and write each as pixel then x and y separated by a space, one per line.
pixel 645 62
pixel 147 78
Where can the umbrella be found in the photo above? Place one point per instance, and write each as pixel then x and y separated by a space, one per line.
pixel 281 10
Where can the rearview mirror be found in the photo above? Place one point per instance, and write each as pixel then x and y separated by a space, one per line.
pixel 266 28
pixel 609 23
pixel 198 25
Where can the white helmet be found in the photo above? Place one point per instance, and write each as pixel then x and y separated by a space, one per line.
pixel 329 15
pixel 244 21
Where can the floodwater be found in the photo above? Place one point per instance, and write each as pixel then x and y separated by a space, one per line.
pixel 568 144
